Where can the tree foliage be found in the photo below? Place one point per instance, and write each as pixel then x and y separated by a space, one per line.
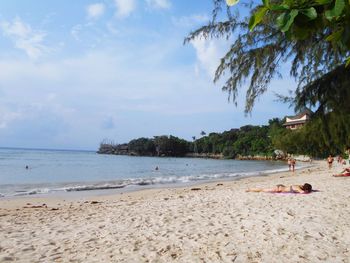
pixel 170 146
pixel 248 140
pixel 285 31
pixel 142 146
pixel 312 37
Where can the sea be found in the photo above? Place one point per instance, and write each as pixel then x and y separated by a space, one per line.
pixel 27 172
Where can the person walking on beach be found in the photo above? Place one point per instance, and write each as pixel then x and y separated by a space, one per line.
pixel 330 160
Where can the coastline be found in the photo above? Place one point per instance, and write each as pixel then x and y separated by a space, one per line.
pixel 103 188
pixel 187 171
pixel 211 222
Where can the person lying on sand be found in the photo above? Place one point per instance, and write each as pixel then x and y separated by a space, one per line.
pixel 280 188
pixel 345 172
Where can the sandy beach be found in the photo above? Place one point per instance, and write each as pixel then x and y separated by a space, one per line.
pixel 216 222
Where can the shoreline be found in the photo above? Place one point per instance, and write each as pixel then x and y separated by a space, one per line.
pixel 212 222
pixel 115 190
pixel 78 196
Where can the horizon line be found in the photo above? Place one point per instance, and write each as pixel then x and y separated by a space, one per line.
pixel 46 149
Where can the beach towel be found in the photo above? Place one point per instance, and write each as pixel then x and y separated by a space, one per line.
pixel 293 193
pixel 342 175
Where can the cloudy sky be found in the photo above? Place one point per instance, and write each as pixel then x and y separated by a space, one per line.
pixel 73 73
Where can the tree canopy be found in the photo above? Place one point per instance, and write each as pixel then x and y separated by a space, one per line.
pixel 311 36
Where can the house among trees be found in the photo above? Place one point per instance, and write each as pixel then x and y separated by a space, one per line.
pixel 297 121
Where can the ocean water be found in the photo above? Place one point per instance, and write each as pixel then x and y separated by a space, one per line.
pixel 54 171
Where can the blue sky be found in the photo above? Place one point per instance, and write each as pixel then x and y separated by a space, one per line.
pixel 73 73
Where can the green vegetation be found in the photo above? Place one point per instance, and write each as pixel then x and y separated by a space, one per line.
pixel 312 38
pixel 249 140
pixel 157 146
pixel 312 141
pixel 170 146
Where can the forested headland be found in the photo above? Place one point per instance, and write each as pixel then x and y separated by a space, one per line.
pixel 255 142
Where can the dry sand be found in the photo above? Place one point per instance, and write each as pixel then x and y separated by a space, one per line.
pixel 218 222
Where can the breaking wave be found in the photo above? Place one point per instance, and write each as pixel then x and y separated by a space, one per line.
pixel 134 182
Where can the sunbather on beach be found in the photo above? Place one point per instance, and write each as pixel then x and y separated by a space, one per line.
pixel 345 172
pixel 280 188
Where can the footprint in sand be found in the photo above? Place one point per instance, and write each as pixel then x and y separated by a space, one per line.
pixel 281 231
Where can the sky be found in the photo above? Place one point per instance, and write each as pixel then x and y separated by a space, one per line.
pixel 75 73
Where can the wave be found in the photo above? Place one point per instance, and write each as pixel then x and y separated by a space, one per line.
pixel 32 192
pixel 138 182
pixel 93 187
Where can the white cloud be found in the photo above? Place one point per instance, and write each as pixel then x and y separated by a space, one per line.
pixel 87 34
pixel 95 10
pixel 124 7
pixel 24 37
pixel 122 95
pixel 208 54
pixel 82 92
pixel 159 4
pixel 75 31
pixel 190 21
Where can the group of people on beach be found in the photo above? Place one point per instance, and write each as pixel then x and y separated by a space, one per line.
pixel 339 158
pixel 299 189
pixel 280 188
pixel 341 161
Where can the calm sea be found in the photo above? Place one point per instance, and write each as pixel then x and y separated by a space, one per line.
pixel 53 171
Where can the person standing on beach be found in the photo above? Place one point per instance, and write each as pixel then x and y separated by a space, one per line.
pixel 293 161
pixel 289 161
pixel 330 160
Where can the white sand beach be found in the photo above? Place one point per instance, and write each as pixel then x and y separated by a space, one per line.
pixel 217 222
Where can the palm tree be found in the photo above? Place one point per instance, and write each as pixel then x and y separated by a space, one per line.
pixel 194 144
